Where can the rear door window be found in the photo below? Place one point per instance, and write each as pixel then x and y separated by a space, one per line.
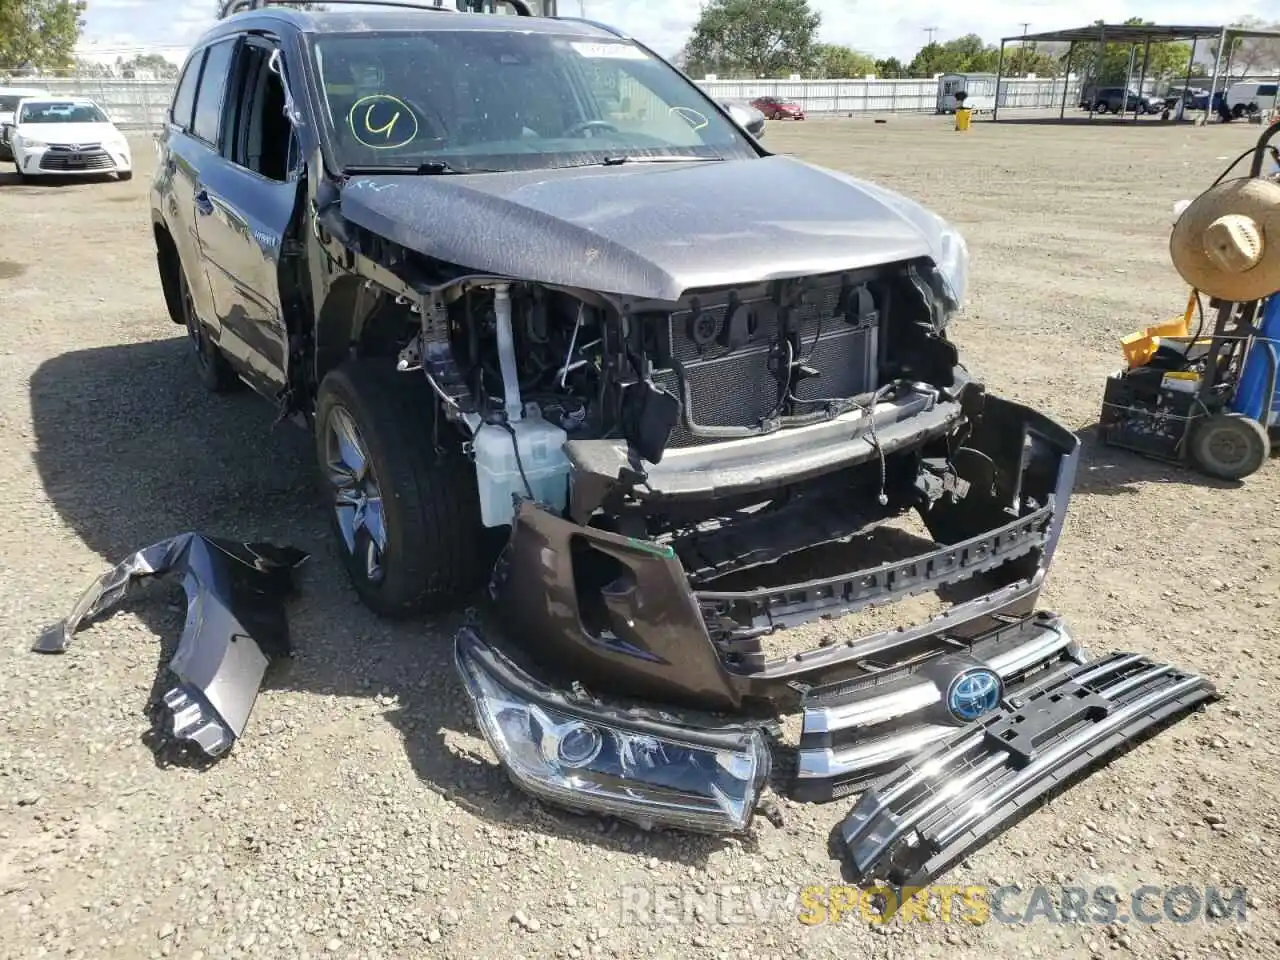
pixel 213 85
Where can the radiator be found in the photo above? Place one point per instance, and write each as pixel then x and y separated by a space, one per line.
pixel 736 387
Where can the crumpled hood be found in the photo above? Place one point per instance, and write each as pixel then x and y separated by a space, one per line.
pixel 651 231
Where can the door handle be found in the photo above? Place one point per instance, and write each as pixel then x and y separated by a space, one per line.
pixel 203 203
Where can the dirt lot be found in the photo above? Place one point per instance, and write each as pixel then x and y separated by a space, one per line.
pixel 361 816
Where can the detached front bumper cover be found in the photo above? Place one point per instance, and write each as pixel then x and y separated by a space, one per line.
pixel 235 623
pixel 639 766
pixel 916 822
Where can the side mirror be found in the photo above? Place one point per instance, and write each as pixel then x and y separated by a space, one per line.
pixel 740 116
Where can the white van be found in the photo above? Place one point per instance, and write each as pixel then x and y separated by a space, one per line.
pixel 1247 98
pixel 9 97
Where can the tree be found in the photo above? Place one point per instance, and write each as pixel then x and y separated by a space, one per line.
pixel 1251 55
pixel 1042 59
pixel 835 62
pixel 152 63
pixel 759 38
pixel 1167 60
pixel 890 69
pixel 39 34
pixel 91 68
pixel 967 54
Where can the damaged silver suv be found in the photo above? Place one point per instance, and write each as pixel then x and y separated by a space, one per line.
pixel 524 278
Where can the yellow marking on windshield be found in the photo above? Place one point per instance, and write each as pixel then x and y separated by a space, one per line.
pixel 375 119
pixel 691 116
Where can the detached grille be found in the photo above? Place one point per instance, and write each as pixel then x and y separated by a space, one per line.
pixel 89 157
pixel 853 735
pixel 922 818
pixel 732 348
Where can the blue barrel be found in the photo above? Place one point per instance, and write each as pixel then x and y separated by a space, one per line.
pixel 1260 372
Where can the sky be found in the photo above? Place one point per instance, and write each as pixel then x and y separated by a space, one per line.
pixel 879 28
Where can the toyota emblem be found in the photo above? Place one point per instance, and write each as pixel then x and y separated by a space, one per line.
pixel 974 693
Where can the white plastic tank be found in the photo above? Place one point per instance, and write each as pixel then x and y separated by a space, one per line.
pixel 498 472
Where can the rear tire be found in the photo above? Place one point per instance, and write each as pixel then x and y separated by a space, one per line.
pixel 212 368
pixel 407 523
pixel 1230 446
pixel 1100 107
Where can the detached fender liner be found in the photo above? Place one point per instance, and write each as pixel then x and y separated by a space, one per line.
pixel 916 822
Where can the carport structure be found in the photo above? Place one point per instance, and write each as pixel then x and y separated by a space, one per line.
pixel 1134 35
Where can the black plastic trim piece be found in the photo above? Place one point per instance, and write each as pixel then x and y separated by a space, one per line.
pixel 738 616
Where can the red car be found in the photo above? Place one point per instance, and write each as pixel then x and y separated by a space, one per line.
pixel 775 108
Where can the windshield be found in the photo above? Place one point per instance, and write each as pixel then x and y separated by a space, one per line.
pixel 509 100
pixel 60 112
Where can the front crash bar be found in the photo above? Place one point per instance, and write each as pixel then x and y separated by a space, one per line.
pixel 916 822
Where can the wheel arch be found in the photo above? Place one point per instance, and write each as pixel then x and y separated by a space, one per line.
pixel 169 263
pixel 360 318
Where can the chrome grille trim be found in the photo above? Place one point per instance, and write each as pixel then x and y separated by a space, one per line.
pixel 920 819
pixel 856 732
pixel 921 695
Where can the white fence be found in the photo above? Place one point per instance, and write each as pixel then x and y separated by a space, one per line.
pixel 142 104
pixel 883 96
pixel 137 104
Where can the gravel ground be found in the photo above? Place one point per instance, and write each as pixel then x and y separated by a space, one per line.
pixel 362 816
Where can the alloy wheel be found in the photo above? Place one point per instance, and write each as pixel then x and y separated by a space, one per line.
pixel 357 498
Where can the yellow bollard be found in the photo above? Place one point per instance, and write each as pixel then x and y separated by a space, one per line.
pixel 963 115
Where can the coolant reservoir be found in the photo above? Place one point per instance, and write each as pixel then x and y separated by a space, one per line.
pixel 498 472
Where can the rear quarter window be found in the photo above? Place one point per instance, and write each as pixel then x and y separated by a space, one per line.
pixel 1267 90
pixel 184 98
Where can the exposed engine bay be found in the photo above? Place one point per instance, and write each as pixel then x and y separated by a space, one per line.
pixel 523 367
pixel 740 362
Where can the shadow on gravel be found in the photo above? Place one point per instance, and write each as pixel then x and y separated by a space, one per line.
pixel 1107 471
pixel 130 450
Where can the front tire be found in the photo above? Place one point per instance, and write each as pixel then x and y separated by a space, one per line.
pixel 406 519
pixel 126 175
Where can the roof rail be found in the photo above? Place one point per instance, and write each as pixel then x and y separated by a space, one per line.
pixel 230 7
pixel 608 28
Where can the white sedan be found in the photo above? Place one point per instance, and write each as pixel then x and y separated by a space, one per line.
pixel 67 137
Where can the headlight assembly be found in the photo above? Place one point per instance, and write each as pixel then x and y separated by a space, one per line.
pixel 608 762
